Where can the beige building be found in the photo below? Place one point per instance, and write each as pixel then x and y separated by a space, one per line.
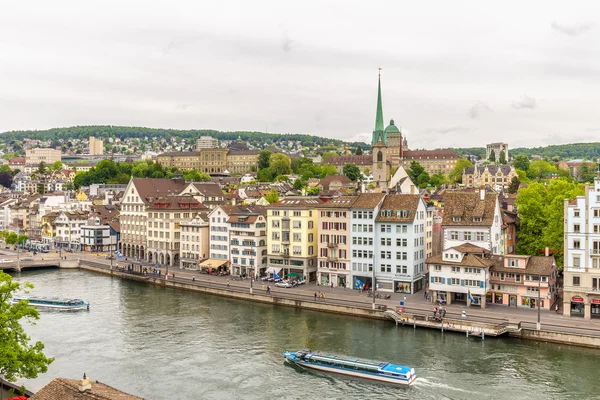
pixel 96 146
pixel 206 142
pixel 434 161
pixel 292 240
pixel 497 148
pixel 36 156
pixel 194 242
pixel 496 176
pixel 334 242
pixel 210 161
pixel 248 241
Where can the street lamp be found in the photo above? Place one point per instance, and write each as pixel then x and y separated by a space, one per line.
pixel 539 325
pixel 373 287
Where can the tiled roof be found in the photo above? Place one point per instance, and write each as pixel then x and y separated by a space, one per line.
pixel 536 265
pixel 365 159
pixel 344 180
pixel 471 248
pixel 175 203
pixel 179 154
pixel 68 389
pixel 298 202
pixel 429 154
pixel 469 260
pixel 156 187
pixel 368 200
pixel 468 205
pixel 398 202
pixel 340 202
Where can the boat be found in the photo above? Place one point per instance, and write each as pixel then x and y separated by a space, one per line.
pixel 375 370
pixel 54 302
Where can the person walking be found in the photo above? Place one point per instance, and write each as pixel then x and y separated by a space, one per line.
pixel 268 289
pixel 556 309
pixel 331 285
pixel 227 283
pixel 193 278
pixel 315 296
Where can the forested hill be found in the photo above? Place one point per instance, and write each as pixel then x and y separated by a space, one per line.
pixel 588 151
pixel 259 139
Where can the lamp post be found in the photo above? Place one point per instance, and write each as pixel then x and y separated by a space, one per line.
pixel 373 288
pixel 539 325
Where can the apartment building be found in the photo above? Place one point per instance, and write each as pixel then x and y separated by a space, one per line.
pixel 334 241
pixel 45 155
pixel 520 281
pixel 219 235
pixel 363 238
pixel 68 226
pixel 461 274
pixel 430 212
pixel 206 142
pixel 138 196
pixel 498 177
pixel 292 240
pixel 97 237
pixel 248 240
pixel 497 148
pixel 581 292
pixel 194 241
pixel 96 146
pixel 472 217
pixel 399 251
pixel 207 193
pixel 164 216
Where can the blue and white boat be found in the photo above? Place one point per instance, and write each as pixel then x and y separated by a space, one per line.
pixel 54 302
pixel 368 369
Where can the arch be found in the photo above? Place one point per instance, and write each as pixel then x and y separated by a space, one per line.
pixel 150 256
pixel 212 157
pixel 176 259
pixel 162 258
pixel 168 259
pixel 379 156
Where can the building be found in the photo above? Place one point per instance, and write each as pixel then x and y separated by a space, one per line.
pixel 334 241
pixel 334 184
pixel 194 241
pixel 96 146
pixel 581 292
pixel 206 142
pixel 497 148
pixel 210 161
pixel 433 161
pixel 71 389
pixel 363 238
pixel 164 216
pixel 497 177
pixel 519 281
pixel 292 239
pixel 68 228
pixel 248 240
pixel 45 155
pixel 138 196
pixel 399 251
pixel 219 235
pixel 96 237
pixel 240 159
pixel 472 217
pixel 461 274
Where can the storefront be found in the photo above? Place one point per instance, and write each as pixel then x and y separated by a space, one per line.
pixel 498 298
pixel 324 279
pixel 402 287
pixel 362 282
pixel 341 281
pixel 531 302
pixel 476 300
pixel 442 297
pixel 512 300
pixel 577 306
pixel 595 308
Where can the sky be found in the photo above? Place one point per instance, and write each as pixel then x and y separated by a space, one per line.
pixel 454 74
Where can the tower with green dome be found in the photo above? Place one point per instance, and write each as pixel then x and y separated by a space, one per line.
pixel 381 166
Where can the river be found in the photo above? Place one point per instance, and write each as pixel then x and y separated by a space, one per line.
pixel 161 343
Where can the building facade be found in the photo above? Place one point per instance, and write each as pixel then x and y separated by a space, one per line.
pixel 219 233
pixel 496 176
pixel 497 148
pixel 96 237
pixel 581 292
pixel 248 241
pixel 68 228
pixel 433 161
pixel 194 242
pixel 45 155
pixel 210 161
pixel 206 142
pixel 96 146
pixel 292 237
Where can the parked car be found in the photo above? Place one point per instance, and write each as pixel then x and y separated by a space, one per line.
pixel 284 284
pixel 6 261
pixel 27 259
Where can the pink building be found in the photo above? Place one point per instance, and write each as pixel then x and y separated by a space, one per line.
pixel 518 281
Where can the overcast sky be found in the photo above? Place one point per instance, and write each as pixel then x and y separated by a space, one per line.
pixel 454 73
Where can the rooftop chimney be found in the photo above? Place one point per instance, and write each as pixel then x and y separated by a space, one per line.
pixel 85 384
pixel 547 252
pixel 482 193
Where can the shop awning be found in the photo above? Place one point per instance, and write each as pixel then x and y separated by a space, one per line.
pixel 274 270
pixel 213 263
pixel 293 275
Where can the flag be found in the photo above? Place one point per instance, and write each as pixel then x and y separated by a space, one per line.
pixel 275 276
pixel 358 284
pixel 471 298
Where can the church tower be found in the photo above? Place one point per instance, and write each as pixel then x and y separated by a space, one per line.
pixel 379 146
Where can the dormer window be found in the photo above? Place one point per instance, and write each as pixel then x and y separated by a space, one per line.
pixel 456 219
pixel 477 219
pixel 402 213
pixel 512 262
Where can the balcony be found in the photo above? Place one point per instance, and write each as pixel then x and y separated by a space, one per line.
pixel 332 258
pixel 332 245
pixel 286 255
pixel 595 252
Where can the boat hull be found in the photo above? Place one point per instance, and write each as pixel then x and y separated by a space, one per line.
pixel 53 305
pixel 358 374
pixel 66 308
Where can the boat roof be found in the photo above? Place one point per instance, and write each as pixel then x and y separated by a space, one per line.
pixel 379 364
pixel 396 369
pixel 27 297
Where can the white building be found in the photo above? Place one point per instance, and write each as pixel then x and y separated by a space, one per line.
pixel 363 238
pixel 34 157
pixel 219 233
pixel 6 213
pixel 496 148
pixel 68 225
pixel 248 241
pixel 399 251
pixel 472 217
pixel 581 292
pixel 96 237
pixel 460 274
pixel 206 142
pixel 194 242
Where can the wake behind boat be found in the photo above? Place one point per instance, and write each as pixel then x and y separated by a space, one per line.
pixel 54 303
pixel 376 370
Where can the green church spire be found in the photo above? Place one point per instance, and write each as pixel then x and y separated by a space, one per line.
pixel 379 132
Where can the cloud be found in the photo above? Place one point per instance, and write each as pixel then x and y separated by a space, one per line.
pixel 526 102
pixel 572 30
pixel 182 106
pixel 286 43
pixel 477 109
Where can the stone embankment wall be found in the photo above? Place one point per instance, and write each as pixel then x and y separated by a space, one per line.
pixel 559 337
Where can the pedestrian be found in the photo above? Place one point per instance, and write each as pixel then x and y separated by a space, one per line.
pixel 425 295
pixel 315 296
pixel 227 283
pixel 331 285
pixel 556 308
pixel 323 296
pixel 268 289
pixel 193 278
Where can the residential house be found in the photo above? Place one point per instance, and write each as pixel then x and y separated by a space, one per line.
pixel 96 237
pixel 194 241
pixel 497 177
pixel 248 240
pixel 333 241
pixel 285 219
pixel 68 226
pixel 335 184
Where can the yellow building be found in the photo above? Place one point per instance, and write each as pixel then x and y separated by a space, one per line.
pixel 210 161
pixel 47 156
pixel 96 146
pixel 292 239
pixel 496 176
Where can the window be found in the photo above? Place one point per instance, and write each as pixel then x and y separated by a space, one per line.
pixel 437 267
pixel 456 219
pixel 479 236
pixel 596 213
pixel 576 261
pixel 576 281
pixel 310 224
pixel 576 213
pixel 576 228
pixel 454 235
pixel 467 236
pixel 576 244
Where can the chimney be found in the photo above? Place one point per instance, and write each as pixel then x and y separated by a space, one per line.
pixel 547 252
pixel 85 384
pixel 482 193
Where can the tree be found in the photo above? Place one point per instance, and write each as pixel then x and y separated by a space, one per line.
pixel 328 154
pixel 272 196
pixel 280 164
pixel 521 162
pixel 264 175
pixel 438 179
pixel 414 171
pixel 264 158
pixel 514 185
pixel 492 156
pixel 67 186
pixel 423 179
pixel 5 168
pixel 502 158
pixel 353 172
pixel 20 358
pixel 539 169
pixel 12 238
pixel 196 176
pixel 585 172
pixel 6 179
pixel 541 210
pixel 41 169
pixel 456 174
pixel 359 151
pixel 56 166
pixel 299 183
pixel 22 239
